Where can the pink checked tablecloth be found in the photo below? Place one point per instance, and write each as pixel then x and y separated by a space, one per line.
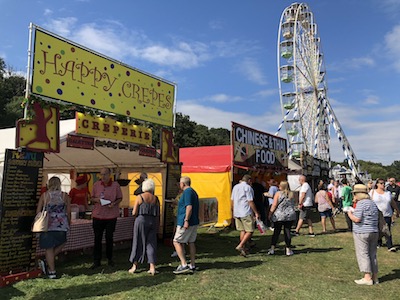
pixel 81 235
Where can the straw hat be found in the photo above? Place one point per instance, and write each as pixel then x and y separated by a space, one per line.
pixel 361 190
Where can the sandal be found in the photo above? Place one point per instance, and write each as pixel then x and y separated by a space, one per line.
pixel 152 273
pixel 132 270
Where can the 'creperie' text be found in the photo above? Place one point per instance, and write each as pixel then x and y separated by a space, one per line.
pixel 115 129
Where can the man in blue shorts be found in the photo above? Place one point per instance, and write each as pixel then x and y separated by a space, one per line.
pixel 187 223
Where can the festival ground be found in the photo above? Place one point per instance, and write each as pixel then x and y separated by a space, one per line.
pixel 323 267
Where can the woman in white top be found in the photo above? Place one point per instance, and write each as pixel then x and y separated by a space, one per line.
pixel 386 205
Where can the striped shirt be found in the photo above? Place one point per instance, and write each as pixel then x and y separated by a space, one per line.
pixel 367 211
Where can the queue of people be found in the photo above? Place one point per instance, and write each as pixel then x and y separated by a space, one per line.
pixel 106 196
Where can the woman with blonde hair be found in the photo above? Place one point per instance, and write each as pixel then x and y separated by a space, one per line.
pixel 58 206
pixel 144 243
pixel 282 213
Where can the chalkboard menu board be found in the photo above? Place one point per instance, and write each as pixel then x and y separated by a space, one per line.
pixel 22 177
pixel 173 176
pixel 169 219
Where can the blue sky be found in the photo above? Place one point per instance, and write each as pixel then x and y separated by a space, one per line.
pixel 222 56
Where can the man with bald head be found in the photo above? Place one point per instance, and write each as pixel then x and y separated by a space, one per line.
pixel 305 206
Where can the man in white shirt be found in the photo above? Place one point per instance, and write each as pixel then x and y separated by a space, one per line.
pixel 243 208
pixel 306 206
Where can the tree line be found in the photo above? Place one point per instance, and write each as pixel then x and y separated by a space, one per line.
pixel 187 133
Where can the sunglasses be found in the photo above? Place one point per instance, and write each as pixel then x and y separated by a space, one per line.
pixel 381 183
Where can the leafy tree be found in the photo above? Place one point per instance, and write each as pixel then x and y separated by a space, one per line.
pixel 188 133
pixel 12 89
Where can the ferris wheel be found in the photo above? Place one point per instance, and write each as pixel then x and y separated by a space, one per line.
pixel 302 85
pixel 307 113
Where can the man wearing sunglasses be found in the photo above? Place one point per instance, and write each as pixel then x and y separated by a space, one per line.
pixel 394 190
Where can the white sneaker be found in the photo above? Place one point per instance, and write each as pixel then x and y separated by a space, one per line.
pixel 289 252
pixel 271 252
pixel 174 254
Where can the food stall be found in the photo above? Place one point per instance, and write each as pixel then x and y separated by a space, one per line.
pixel 125 160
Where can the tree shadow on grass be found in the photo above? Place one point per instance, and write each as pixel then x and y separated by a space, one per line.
pixel 395 274
pixel 10 292
pixel 105 288
pixel 317 250
pixel 229 265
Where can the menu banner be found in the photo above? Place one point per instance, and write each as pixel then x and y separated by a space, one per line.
pixel 172 188
pixel 22 178
pixel 253 148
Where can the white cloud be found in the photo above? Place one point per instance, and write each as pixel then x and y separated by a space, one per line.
pixel 372 99
pixel 252 71
pixel 359 62
pixel 215 24
pixel 392 43
pixel 113 39
pixel 185 55
pixel 62 26
pixel 222 98
pixel 371 132
pixel 390 7
pixel 354 63
pixel 267 93
pixel 47 12
pixel 213 117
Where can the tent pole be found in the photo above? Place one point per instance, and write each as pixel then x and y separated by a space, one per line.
pixel 28 70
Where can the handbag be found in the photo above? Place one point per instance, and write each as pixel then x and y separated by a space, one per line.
pixel 41 222
pixel 284 211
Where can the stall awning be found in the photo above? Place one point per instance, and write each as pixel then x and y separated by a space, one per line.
pixel 208 159
pixel 82 159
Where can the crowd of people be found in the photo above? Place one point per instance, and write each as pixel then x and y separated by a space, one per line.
pixel 369 210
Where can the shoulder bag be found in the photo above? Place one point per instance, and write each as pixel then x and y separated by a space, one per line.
pixel 284 210
pixel 41 222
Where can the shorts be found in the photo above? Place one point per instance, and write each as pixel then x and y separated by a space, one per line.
pixel 326 214
pixel 245 224
pixel 183 235
pixel 306 212
pixel 52 239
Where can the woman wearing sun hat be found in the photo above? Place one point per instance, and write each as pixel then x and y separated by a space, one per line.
pixel 80 194
pixel 365 233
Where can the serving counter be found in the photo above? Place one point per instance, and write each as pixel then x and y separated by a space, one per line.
pixel 80 235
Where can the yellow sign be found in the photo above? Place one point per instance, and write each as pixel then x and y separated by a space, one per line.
pixel 169 152
pixel 42 133
pixel 111 129
pixel 68 72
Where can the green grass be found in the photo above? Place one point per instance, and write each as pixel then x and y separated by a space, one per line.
pixel 323 267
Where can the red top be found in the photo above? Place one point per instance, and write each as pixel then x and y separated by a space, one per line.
pixel 79 196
